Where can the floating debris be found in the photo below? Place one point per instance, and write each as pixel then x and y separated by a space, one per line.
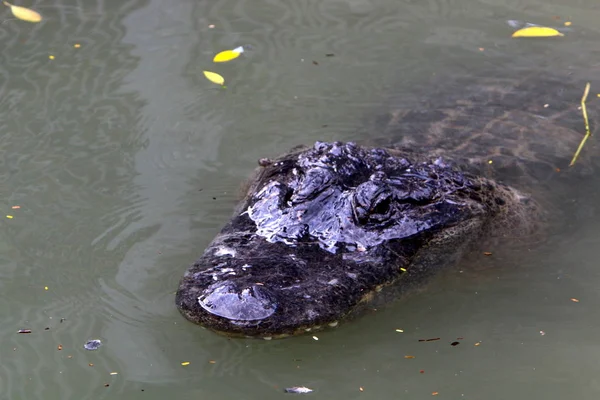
pixel 454 344
pixel 228 55
pixel 93 344
pixel 409 357
pixel 298 389
pixel 214 77
pixel 574 300
pixel 429 340
pixel 24 331
pixel 537 31
pixel 24 14
pixel 185 363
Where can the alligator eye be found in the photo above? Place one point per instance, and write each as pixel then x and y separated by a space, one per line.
pixel 383 206
pixel 372 202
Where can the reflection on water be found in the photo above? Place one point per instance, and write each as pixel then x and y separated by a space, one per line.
pixel 125 162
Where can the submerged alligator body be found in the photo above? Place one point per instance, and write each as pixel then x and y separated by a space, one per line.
pixel 323 229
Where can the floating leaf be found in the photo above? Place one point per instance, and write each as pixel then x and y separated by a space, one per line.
pixel 23 13
pixel 226 55
pixel 214 77
pixel 537 31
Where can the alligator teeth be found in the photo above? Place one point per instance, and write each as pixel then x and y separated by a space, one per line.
pixel 333 324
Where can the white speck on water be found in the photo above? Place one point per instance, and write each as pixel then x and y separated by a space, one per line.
pixel 93 344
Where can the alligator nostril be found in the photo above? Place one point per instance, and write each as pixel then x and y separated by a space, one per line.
pixel 247 303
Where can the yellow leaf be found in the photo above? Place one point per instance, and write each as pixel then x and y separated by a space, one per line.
pixel 537 31
pixel 23 13
pixel 226 55
pixel 214 78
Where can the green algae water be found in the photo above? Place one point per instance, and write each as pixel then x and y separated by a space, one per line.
pixel 121 161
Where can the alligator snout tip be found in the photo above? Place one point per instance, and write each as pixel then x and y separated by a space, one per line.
pixel 238 302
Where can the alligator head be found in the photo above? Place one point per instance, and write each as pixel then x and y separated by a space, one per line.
pixel 322 229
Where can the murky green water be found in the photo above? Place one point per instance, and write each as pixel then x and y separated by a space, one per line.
pixel 125 161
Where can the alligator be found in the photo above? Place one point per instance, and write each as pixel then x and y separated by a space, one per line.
pixel 324 230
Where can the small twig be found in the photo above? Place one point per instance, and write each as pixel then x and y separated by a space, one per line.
pixel 587 125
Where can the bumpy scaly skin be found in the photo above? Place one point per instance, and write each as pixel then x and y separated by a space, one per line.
pixel 324 228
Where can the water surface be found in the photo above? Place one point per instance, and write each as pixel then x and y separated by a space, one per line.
pixel 125 161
